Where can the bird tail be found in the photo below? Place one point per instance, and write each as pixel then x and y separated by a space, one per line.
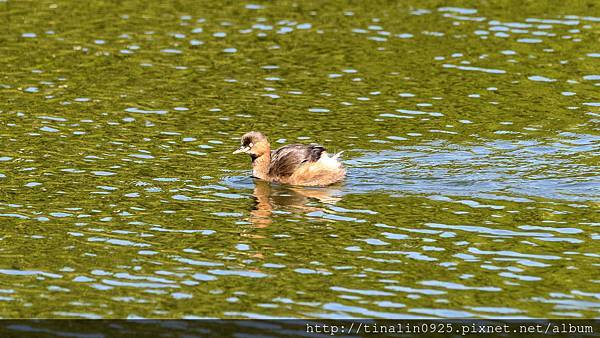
pixel 337 155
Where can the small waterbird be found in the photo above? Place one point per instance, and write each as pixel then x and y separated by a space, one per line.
pixel 295 164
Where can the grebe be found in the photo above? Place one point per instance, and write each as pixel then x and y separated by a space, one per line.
pixel 295 164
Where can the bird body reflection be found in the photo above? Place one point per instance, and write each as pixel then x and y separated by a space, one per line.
pixel 269 197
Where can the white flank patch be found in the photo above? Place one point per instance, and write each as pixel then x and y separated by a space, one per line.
pixel 330 162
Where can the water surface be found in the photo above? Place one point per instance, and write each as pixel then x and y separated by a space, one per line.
pixel 470 135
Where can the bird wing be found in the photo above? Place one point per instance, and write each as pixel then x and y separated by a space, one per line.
pixel 285 160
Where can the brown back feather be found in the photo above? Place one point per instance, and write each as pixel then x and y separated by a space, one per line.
pixel 285 160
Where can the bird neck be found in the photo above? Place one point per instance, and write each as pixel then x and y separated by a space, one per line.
pixel 260 165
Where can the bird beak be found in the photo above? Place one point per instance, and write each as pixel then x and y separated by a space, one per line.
pixel 242 150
